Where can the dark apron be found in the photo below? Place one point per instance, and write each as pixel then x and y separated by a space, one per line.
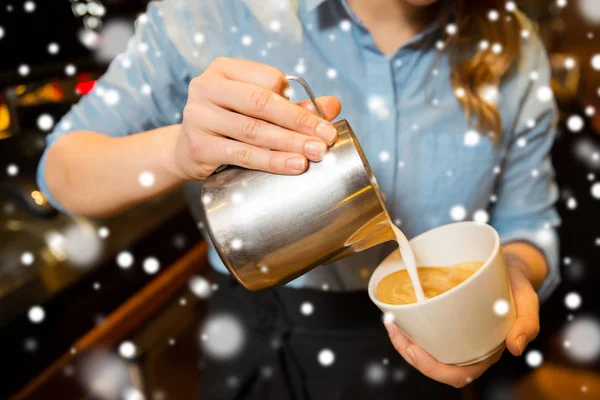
pixel 280 356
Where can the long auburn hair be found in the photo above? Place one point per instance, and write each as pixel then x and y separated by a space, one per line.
pixel 473 69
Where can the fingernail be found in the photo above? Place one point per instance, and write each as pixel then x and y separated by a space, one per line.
pixel 411 356
pixel 295 163
pixel 521 343
pixel 390 328
pixel 315 149
pixel 327 131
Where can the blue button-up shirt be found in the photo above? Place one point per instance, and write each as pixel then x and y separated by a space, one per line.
pixel 431 164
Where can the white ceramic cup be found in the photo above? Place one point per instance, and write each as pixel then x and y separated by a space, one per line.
pixel 469 322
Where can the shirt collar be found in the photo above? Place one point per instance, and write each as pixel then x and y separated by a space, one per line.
pixel 312 4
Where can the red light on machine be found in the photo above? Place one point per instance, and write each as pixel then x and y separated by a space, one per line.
pixel 85 87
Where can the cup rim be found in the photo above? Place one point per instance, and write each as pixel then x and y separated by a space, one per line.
pixel 486 264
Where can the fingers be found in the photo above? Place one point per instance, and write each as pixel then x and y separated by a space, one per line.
pixel 330 106
pixel 251 72
pixel 449 374
pixel 259 133
pixel 219 150
pixel 527 325
pixel 264 104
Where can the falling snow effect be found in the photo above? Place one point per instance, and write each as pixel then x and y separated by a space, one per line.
pixel 70 70
pixel 572 300
pixel 275 26
pixel 125 259
pixel 375 373
pixel 458 213
pixel 501 307
pixel 534 358
pixel 583 336
pixel 104 375
pixel 146 179
pixel 103 232
pixel 36 314
pixel 590 111
pixel 589 10
pixel 79 244
pixel 544 94
pixel 575 123
pixel 570 63
pixel 596 62
pixel 27 258
pixel 200 286
pixel 30 345
pixel 306 308
pixel 127 350
pixel 246 40
pixel 481 216
pixel 236 244
pixel 45 122
pixel 29 6
pixel 111 97
pixel 471 138
pixel 595 190
pixel 223 336
pixel 131 393
pixel 146 89
pixel 12 170
pixel 53 48
pixel 326 357
pixel 345 25
pixel 151 265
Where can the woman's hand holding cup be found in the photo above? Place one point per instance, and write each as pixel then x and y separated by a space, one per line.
pixel 524 330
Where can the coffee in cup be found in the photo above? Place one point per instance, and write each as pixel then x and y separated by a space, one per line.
pixel 397 287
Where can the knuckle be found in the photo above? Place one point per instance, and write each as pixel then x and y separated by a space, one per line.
pixel 196 146
pixel 279 82
pixel 250 129
pixel 273 163
pixel 242 156
pixel 459 383
pixel 199 86
pixel 290 143
pixel 535 330
pixel 219 62
pixel 259 99
pixel 303 119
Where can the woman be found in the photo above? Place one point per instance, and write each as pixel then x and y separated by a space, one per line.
pixel 450 102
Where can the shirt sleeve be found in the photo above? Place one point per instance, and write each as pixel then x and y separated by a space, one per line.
pixel 526 191
pixel 143 88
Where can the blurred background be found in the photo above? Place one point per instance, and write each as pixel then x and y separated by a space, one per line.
pixel 113 308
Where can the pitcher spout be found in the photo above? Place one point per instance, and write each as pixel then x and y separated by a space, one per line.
pixel 376 231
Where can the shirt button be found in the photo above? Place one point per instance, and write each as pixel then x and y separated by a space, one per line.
pixel 398 63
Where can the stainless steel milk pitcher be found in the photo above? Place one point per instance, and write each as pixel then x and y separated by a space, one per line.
pixel 269 229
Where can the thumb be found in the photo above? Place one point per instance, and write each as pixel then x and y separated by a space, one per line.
pixel 330 105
